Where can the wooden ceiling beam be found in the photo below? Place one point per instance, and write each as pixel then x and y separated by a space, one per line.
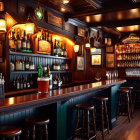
pixel 94 4
pixel 105 10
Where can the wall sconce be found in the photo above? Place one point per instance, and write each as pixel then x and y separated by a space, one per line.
pixel 87 45
pixel 29 26
pixel 92 50
pixel 76 48
pixel 2 26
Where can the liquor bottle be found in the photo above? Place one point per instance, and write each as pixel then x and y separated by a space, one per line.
pixel 14 83
pixel 18 64
pixel 27 64
pixel 12 65
pixel 31 81
pixel 51 42
pixel 23 65
pixel 65 50
pixel 24 46
pixel 62 49
pixel 21 83
pixel 54 49
pixel 40 70
pixel 18 41
pixel 24 83
pixel 28 44
pixel 58 49
pixel 50 82
pixel 59 82
pixel 28 83
pixel 55 82
pixel 47 73
pixel 32 66
pixel 66 66
pixel 12 45
pixel 18 83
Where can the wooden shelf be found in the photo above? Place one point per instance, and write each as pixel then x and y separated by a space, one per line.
pixel 36 72
pixel 38 55
pixel 129 60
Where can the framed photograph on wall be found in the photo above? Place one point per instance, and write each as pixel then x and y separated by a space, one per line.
pixel 80 63
pixel 96 60
pixel 110 60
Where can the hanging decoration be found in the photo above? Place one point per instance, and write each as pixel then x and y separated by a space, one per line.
pixel 39 13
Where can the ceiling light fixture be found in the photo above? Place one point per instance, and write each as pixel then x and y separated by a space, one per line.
pixel 66 1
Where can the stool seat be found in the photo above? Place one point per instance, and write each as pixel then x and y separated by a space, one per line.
pixel 38 121
pixel 123 91
pixel 10 131
pixel 85 107
pixel 100 98
pixel 127 87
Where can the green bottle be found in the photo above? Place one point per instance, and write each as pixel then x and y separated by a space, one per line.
pixel 40 70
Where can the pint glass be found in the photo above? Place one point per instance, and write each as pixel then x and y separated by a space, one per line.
pixel 43 85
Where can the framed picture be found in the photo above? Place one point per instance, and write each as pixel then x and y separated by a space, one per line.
pixel 80 63
pixel 96 59
pixel 109 49
pixel 110 60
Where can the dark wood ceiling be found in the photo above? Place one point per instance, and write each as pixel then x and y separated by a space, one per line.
pixel 109 13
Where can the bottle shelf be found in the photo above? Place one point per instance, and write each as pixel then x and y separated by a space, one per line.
pixel 38 55
pixel 128 53
pixel 128 60
pixel 129 67
pixel 36 72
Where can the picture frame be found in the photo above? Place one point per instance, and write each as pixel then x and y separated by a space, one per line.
pixel 96 60
pixel 80 63
pixel 110 63
pixel 109 49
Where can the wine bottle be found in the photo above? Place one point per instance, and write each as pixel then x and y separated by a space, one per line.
pixel 18 41
pixel 12 45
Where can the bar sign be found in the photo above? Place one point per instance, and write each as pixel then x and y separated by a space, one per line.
pixel 1 6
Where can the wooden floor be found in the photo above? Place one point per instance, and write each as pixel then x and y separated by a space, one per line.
pixel 125 130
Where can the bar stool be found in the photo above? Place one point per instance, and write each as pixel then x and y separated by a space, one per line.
pixel 123 103
pixel 38 125
pixel 131 97
pixel 86 131
pixel 103 115
pixel 10 132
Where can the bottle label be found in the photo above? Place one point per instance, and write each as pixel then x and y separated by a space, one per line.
pixel 28 45
pixel 32 67
pixel 54 67
pixel 24 45
pixel 54 50
pixel 27 66
pixel 19 44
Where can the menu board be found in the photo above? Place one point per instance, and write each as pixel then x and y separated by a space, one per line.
pixel 54 20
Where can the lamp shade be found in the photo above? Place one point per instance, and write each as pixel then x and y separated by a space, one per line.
pixel 29 27
pixel 76 48
pixel 92 50
pixel 87 45
pixel 2 25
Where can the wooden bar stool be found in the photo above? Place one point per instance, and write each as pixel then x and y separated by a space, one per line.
pixel 131 98
pixel 38 125
pixel 85 131
pixel 124 103
pixel 103 114
pixel 10 132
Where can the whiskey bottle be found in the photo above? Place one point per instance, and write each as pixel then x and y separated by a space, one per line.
pixel 12 45
pixel 21 83
pixel 65 50
pixel 28 44
pixel 12 65
pixel 18 41
pixel 24 41
pixel 27 64
pixel 18 83
pixel 54 49
pixel 51 42
pixel 32 66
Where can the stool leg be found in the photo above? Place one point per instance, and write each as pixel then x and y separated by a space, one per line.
pixel 46 132
pixel 128 107
pixel 18 138
pixel 83 120
pixel 13 138
pixel 76 122
pixel 106 116
pixel 33 132
pixel 40 131
pixel 87 116
pixel 131 106
pixel 118 108
pixel 102 116
pixel 94 123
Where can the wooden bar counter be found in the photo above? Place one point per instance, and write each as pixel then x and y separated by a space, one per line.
pixel 65 100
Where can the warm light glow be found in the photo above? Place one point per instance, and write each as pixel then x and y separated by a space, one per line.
pixel 92 50
pixel 133 11
pixel 129 28
pixel 63 10
pixel 11 101
pixel 87 45
pixel 2 25
pixel 9 21
pixel 87 18
pixel 29 28
pixel 97 18
pixel 76 48
pixel 65 1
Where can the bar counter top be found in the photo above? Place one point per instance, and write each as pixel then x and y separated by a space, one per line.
pixel 12 104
